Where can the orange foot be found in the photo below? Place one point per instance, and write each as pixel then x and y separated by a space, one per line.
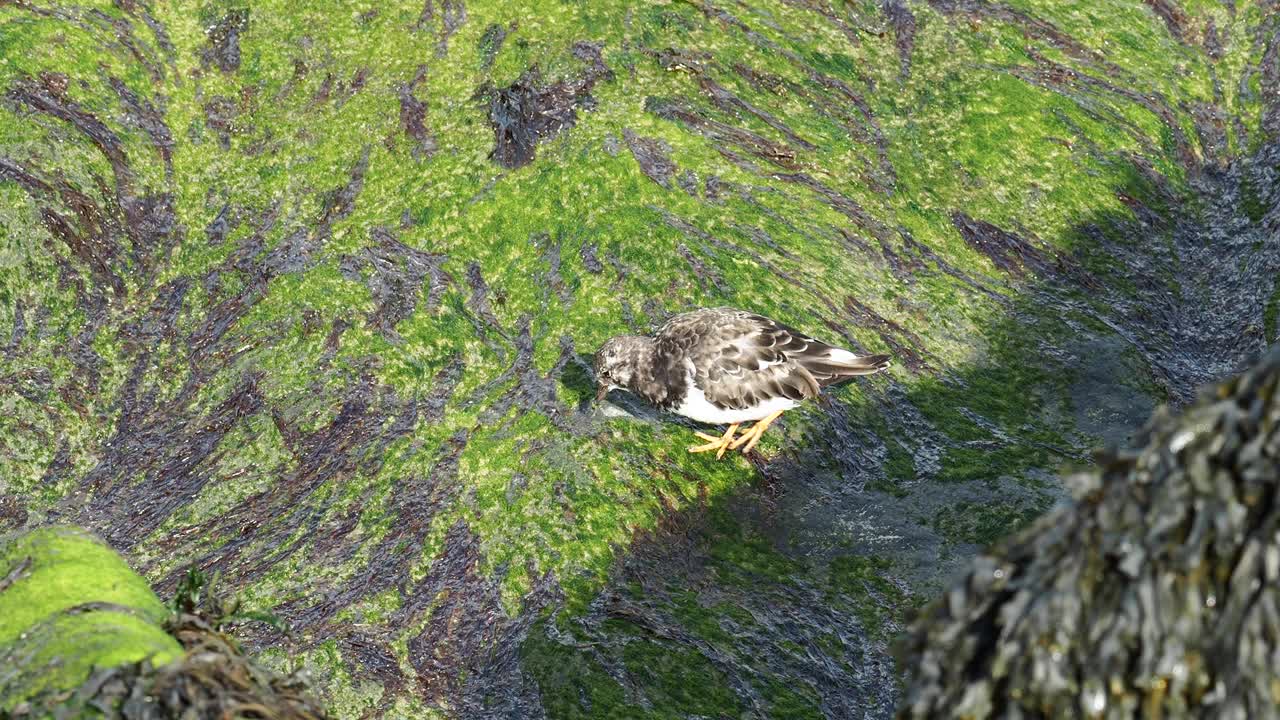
pixel 719 444
pixel 752 436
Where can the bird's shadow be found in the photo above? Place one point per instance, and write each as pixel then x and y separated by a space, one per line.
pixel 578 378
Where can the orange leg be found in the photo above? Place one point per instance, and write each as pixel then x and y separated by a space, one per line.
pixel 719 444
pixel 752 436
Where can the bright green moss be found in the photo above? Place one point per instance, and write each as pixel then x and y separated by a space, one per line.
pixel 61 652
pixel 68 567
pixel 374 609
pixel 352 698
pixel 44 646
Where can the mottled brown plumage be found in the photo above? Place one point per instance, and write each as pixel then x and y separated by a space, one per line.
pixel 721 365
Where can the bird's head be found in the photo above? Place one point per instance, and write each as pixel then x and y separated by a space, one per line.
pixel 616 361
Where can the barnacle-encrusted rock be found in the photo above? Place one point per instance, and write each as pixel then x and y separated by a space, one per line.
pixel 1155 594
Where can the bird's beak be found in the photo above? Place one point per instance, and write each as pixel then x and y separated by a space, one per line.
pixel 601 391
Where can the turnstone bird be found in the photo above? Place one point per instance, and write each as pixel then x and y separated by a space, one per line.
pixel 721 365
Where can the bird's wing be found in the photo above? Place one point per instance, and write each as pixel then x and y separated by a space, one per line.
pixel 827 363
pixel 739 359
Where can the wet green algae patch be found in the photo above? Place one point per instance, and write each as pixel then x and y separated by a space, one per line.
pixel 70 604
pixel 698 599
pixel 304 296
pixel 84 636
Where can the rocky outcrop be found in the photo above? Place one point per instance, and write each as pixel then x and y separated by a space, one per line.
pixel 307 299
pixel 1156 593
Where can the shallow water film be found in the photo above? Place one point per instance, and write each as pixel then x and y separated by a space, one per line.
pixel 305 295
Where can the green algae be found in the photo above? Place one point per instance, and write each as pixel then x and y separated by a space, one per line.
pixel 68 605
pixel 329 669
pixel 715 624
pixel 879 603
pixel 663 675
pixel 961 131
pixel 573 686
pixel 1252 203
pixel 67 568
pixel 60 653
pixel 637 662
pixel 1001 392
pixel 985 524
pixel 797 702
pixel 374 609
pixel 985 462
pixel 1271 312
pixel 899 466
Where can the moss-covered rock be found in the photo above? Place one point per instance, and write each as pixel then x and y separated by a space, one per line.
pixel 69 605
pixel 303 294
pixel 84 636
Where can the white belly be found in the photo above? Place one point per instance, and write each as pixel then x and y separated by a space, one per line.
pixel 696 407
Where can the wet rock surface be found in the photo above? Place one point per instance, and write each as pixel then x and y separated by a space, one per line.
pixel 306 300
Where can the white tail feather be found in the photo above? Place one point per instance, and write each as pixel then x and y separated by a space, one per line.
pixel 842 356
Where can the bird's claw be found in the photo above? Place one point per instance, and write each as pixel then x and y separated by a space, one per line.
pixel 719 444
pixel 752 435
